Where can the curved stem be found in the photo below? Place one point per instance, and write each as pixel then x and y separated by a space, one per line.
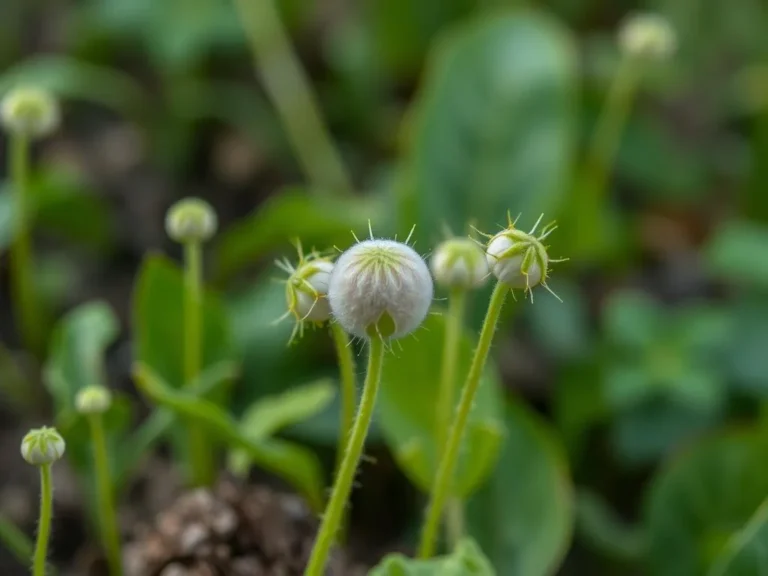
pixel 347 370
pixel 343 484
pixel 445 469
pixel 287 85
pixel 447 393
pixel 26 311
pixel 44 528
pixel 201 469
pixel 104 493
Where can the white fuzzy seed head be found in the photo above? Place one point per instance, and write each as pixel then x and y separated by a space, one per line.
pixel 42 446
pixel 459 263
pixel 519 259
pixel 648 36
pixel 191 220
pixel 93 400
pixel 380 288
pixel 30 112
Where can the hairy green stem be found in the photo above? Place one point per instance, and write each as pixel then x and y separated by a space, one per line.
pixel 348 396
pixel 590 202
pixel 345 477
pixel 289 89
pixel 26 305
pixel 201 468
pixel 105 497
pixel 44 527
pixel 444 477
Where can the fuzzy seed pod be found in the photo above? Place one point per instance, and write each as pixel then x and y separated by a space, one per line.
pixel 42 446
pixel 380 288
pixel 93 400
pixel 191 220
pixel 459 263
pixel 648 36
pixel 30 112
pixel 519 259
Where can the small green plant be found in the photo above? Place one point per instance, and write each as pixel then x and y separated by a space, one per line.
pixel 42 447
pixel 379 290
pixel 26 114
pixel 93 402
pixel 191 222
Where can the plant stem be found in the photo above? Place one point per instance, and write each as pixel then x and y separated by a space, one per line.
pixel 348 396
pixel 104 494
pixel 26 310
pixel 445 469
pixel 343 484
pixel 289 89
pixel 589 204
pixel 44 528
pixel 201 467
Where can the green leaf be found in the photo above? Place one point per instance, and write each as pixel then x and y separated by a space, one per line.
pixel 407 413
pixel 523 517
pixel 17 542
pixel 268 415
pixel 736 254
pixel 321 222
pixel 632 319
pixel 699 502
pixel 605 532
pixel 7 217
pixel 745 553
pixel 161 421
pixel 70 78
pixel 295 464
pixel 466 560
pixel 493 128
pixel 158 319
pixel 76 358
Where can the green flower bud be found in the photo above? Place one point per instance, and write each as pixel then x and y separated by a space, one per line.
pixel 459 263
pixel 93 400
pixel 30 112
pixel 191 220
pixel 42 446
pixel 647 36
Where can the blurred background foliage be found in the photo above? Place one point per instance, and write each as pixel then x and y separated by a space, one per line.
pixel 634 411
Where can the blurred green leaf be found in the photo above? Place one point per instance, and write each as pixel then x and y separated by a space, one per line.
pixel 292 462
pixel 158 320
pixel 160 422
pixel 493 127
pixel 70 78
pixel 736 253
pixel 407 413
pixel 746 356
pixel 320 222
pixel 523 517
pixel 605 532
pixel 745 552
pixel 466 560
pixel 632 319
pixel 7 215
pixel 701 499
pixel 17 542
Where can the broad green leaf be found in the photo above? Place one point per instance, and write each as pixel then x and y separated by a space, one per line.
pixel 746 553
pixel 160 422
pixel 736 253
pixel 493 127
pixel 272 413
pixel 466 560
pixel 702 499
pixel 409 387
pixel 70 78
pixel 158 319
pixel 295 464
pixel 76 358
pixel 320 222
pixel 523 517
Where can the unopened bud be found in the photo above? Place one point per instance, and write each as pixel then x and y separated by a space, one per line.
pixel 93 400
pixel 647 36
pixel 191 220
pixel 42 446
pixel 30 112
pixel 459 263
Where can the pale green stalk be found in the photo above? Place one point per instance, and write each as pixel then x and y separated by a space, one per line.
pixel 26 306
pixel 105 497
pixel 346 474
pixel 289 89
pixel 347 385
pixel 44 527
pixel 445 470
pixel 201 468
